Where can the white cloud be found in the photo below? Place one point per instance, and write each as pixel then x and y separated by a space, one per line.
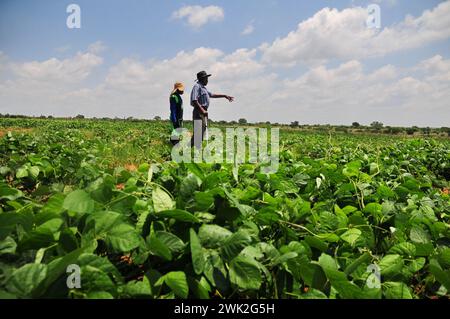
pixel 396 96
pixel 249 29
pixel 334 34
pixel 435 64
pixel 45 87
pixel 97 47
pixel 144 86
pixel 134 74
pixel 197 16
pixel 416 95
pixel 69 70
pixel 388 94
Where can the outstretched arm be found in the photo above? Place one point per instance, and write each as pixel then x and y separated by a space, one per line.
pixel 222 96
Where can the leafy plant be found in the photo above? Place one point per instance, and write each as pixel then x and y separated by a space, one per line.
pixel 75 192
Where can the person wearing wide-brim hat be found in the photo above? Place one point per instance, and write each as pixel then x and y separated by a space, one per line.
pixel 176 110
pixel 200 100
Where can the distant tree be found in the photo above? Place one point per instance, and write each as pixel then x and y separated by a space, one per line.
pixel 377 125
pixel 356 124
pixel 79 116
pixel 294 124
pixel 410 131
pixel 157 118
pixel 396 130
pixel 445 130
pixel 242 121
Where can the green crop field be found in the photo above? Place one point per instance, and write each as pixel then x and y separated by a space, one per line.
pixel 345 216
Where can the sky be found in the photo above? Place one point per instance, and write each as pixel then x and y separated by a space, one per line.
pixel 316 62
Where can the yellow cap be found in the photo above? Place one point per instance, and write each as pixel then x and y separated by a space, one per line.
pixel 178 86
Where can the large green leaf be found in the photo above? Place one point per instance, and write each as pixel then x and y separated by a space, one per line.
pixel 172 241
pixel 200 288
pixel 198 260
pixel 245 273
pixel 363 259
pixel 442 276
pixel 111 227
pixel 94 279
pixel 396 290
pixel 122 237
pixel 352 169
pixel 54 206
pixel 98 295
pixel 42 236
pixel 406 249
pixel 211 236
pixel 79 201
pixel 176 280
pixel 444 257
pixel 158 248
pixel 101 263
pixel 215 270
pixel 27 278
pixel 391 265
pixel 9 221
pixel 161 200
pixel 9 193
pixel 234 244
pixel 138 288
pixel 178 214
pixel 418 235
pixel 338 279
pixel 8 246
pixel 56 268
pixel 351 235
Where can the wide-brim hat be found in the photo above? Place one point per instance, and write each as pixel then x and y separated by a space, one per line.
pixel 202 75
pixel 178 87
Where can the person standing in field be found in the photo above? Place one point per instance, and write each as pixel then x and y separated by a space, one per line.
pixel 176 111
pixel 200 100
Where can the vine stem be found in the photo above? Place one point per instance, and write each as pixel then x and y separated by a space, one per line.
pixel 298 226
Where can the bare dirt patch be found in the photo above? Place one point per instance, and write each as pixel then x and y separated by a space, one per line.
pixel 130 167
pixel 4 131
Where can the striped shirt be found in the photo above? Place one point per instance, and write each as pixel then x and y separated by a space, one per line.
pixel 201 94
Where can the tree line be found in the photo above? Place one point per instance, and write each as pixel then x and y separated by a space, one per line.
pixel 374 127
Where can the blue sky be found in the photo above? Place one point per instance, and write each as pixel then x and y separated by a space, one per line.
pixel 32 29
pixel 138 34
